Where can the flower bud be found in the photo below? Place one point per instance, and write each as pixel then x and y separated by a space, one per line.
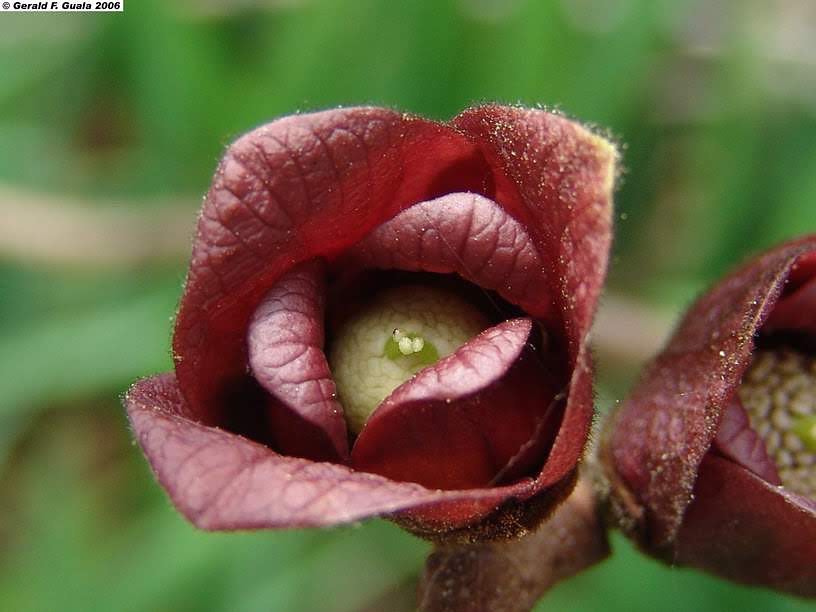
pixel 711 459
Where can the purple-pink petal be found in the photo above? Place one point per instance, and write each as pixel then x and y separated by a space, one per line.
pixel 738 441
pixel 467 234
pixel 285 344
pixel 458 423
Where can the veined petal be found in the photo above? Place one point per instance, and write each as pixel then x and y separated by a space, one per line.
pixel 222 481
pixel 467 234
pixel 286 341
pixel 301 187
pixel 488 408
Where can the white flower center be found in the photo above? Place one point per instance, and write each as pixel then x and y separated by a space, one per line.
pixel 402 331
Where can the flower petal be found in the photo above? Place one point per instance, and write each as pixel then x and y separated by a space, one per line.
pixel 556 177
pixel 738 441
pixel 748 530
pixel 464 233
pixel 796 307
pixel 223 481
pixel 298 188
pixel 458 423
pixel 285 341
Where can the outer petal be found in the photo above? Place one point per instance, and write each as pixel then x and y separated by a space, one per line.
pixel 556 177
pixel 298 188
pixel 748 530
pixel 655 444
pixel 220 480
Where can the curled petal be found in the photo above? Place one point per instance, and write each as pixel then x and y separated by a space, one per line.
pixel 658 438
pixel 737 440
pixel 556 177
pixel 285 341
pixel 459 423
pixel 222 481
pixel 464 233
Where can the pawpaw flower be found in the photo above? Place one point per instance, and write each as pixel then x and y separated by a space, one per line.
pixel 712 459
pixel 386 316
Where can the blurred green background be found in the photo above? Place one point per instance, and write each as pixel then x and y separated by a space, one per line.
pixel 110 127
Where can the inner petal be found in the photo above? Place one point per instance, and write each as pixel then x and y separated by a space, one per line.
pixel 488 412
pixel 778 392
pixel 285 344
pixel 467 234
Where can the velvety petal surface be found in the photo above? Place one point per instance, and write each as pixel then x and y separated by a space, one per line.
pixel 459 423
pixel 301 187
pixel 467 234
pixel 746 529
pixel 658 437
pixel 556 177
pixel 285 341
pixel 221 481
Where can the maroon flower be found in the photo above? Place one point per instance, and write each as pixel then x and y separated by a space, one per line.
pixel 712 459
pixel 310 221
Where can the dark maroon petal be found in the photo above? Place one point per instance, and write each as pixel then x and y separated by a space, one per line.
pixel 748 530
pixel 299 188
pixel 458 423
pixel 464 233
pixel 556 178
pixel 795 309
pixel 661 433
pixel 511 576
pixel 738 441
pixel 311 186
pixel 220 480
pixel 285 343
